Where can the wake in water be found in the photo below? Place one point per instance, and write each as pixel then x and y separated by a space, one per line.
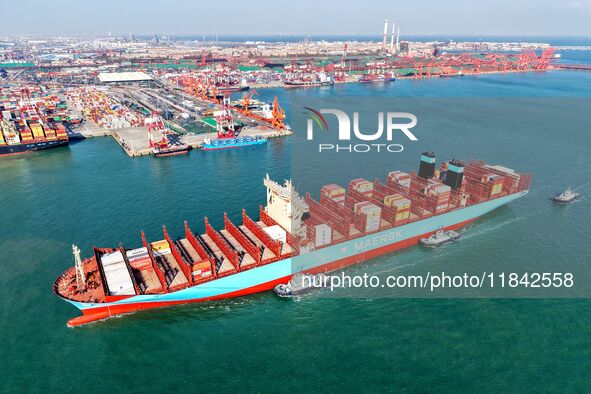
pixel 468 233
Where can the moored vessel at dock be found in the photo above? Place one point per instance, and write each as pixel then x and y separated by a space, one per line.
pixel 228 133
pixel 30 121
pixel 294 233
pixel 29 138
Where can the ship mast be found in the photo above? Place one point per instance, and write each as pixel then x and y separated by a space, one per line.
pixel 80 276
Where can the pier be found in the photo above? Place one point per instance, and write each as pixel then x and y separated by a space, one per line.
pixel 135 142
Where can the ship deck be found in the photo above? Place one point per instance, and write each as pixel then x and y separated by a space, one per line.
pixel 267 254
pixel 150 280
pixel 247 259
pixel 236 247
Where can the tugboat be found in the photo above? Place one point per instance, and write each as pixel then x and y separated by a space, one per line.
pixel 170 144
pixel 228 133
pixel 441 237
pixel 300 284
pixel 566 196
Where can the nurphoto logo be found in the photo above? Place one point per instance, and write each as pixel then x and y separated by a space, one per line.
pixel 393 122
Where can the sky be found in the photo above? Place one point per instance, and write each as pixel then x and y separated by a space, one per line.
pixel 304 17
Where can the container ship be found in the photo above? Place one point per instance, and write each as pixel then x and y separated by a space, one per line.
pixel 316 81
pixel 30 121
pixel 294 234
pixel 376 78
pixel 306 84
pixel 20 137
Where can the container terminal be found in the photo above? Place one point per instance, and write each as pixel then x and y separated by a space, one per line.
pixel 294 233
pixel 112 85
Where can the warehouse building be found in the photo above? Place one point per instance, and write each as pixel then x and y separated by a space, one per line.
pixel 125 78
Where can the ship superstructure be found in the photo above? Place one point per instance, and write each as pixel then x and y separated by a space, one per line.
pixel 294 234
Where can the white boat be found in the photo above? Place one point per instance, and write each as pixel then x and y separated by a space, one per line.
pixel 299 284
pixel 441 237
pixel 566 196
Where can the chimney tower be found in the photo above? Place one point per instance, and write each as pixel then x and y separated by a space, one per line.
pixel 385 35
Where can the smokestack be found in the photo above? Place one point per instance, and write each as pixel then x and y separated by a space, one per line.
pixel 392 37
pixel 385 35
pixel 398 39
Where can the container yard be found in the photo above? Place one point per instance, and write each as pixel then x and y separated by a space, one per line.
pixel 103 109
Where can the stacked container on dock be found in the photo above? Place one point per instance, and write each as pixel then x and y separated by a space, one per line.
pixel 104 110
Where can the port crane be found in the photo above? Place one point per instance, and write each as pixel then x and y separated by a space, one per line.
pixel 278 115
pixel 246 102
pixel 155 124
pixel 225 121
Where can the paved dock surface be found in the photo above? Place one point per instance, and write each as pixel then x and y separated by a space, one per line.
pixel 135 142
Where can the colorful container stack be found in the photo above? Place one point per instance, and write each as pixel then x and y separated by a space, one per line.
pixel 399 212
pixel 333 192
pixel 104 110
pixel 399 178
pixel 201 269
pixel 11 137
pixel 367 216
pixel 139 258
pixel 362 186
pixel 436 188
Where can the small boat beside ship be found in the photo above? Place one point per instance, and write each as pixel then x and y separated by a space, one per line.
pixel 300 284
pixel 440 238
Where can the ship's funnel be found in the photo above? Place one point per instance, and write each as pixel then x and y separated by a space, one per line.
pixel 427 166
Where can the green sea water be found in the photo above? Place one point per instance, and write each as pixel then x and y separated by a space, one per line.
pixel 91 193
